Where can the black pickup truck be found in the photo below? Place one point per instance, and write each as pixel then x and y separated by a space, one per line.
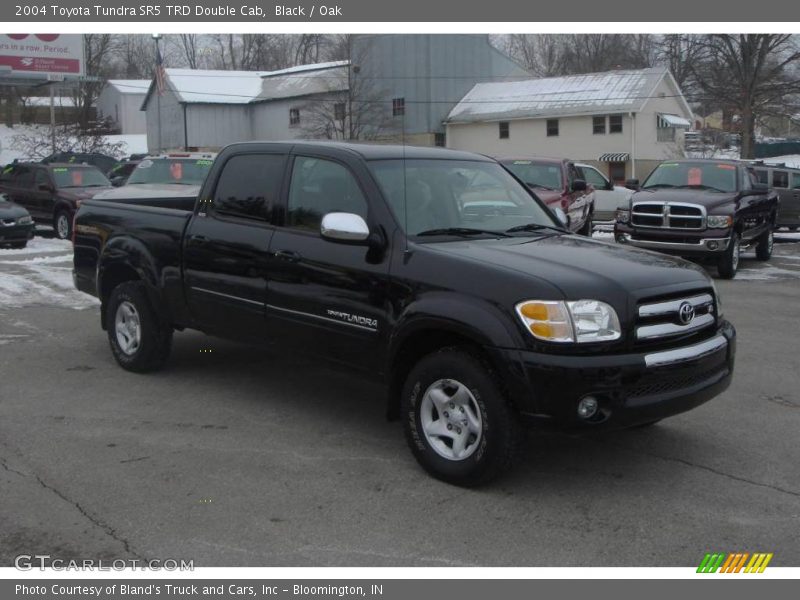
pixel 703 209
pixel 387 259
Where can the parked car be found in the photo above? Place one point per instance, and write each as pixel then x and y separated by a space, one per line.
pixel 168 180
pixel 786 183
pixel 119 173
pixel 101 161
pixel 369 256
pixel 52 192
pixel 16 224
pixel 607 196
pixel 559 184
pixel 703 208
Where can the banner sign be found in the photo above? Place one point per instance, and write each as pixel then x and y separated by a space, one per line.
pixel 49 55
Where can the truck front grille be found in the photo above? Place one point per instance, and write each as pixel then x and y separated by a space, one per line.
pixel 668 215
pixel 674 317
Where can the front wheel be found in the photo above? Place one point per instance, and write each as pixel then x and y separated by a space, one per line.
pixel 765 245
pixel 62 224
pixel 587 226
pixel 457 420
pixel 140 340
pixel 729 261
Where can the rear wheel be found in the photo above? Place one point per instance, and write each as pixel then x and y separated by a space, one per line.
pixel 765 245
pixel 457 420
pixel 62 224
pixel 140 340
pixel 729 261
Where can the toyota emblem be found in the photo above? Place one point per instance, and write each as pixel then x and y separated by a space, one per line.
pixel 685 313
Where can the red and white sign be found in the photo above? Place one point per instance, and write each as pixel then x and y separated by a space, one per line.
pixel 42 54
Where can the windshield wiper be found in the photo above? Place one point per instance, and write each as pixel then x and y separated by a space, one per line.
pixel 658 185
pixel 462 231
pixel 535 227
pixel 700 186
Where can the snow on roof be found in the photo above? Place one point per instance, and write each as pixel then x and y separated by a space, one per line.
pixel 214 87
pixel 612 91
pixel 302 81
pixel 45 101
pixel 130 86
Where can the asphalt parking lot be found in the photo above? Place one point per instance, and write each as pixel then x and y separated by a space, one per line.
pixel 234 456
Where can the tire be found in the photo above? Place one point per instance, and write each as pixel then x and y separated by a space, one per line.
pixel 765 244
pixel 140 340
pixel 472 403
pixel 729 261
pixel 793 228
pixel 62 224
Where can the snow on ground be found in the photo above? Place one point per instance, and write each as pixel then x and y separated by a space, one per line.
pixel 39 274
pixel 133 143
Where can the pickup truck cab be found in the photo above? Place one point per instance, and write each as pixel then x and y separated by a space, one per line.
pixel 560 185
pixel 389 260
pixel 703 209
pixel 52 192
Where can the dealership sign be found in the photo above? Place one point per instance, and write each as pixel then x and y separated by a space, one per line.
pixel 45 55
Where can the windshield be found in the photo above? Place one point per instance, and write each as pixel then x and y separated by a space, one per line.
pixel 720 177
pixel 537 174
pixel 170 170
pixel 432 195
pixel 79 177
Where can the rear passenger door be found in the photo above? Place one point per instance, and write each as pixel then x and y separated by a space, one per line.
pixel 790 209
pixel 42 193
pixel 226 247
pixel 326 297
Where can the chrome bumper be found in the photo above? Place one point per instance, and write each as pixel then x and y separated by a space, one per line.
pixel 679 355
pixel 701 246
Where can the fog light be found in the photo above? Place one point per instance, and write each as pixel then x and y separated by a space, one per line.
pixel 712 245
pixel 587 407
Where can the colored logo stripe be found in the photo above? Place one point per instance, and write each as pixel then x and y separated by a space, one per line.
pixel 734 562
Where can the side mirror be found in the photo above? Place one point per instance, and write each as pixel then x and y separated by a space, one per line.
pixel 117 181
pixel 44 187
pixel 561 216
pixel 632 184
pixel 579 185
pixel 609 185
pixel 346 228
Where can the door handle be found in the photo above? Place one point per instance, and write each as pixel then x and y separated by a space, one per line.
pixel 198 239
pixel 288 255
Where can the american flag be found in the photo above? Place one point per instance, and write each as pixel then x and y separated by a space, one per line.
pixel 160 73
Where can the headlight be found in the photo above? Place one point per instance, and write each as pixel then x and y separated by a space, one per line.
pixel 623 216
pixel 26 220
pixel 578 321
pixel 719 221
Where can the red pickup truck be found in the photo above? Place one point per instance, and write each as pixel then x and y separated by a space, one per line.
pixel 558 183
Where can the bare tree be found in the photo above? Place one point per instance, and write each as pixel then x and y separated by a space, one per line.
pixel 754 74
pixel 188 43
pixel 36 142
pixel 97 49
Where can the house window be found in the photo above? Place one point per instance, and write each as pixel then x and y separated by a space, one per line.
pixel 294 117
pixel 339 111
pixel 439 140
pixel 616 172
pixel 665 134
pixel 398 107
pixel 552 127
pixel 598 125
pixel 615 124
pixel 503 129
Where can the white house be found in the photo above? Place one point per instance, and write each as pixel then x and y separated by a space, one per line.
pixel 624 122
pixel 121 100
pixel 210 109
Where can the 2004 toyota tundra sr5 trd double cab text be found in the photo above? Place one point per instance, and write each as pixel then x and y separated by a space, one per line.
pixel 438 271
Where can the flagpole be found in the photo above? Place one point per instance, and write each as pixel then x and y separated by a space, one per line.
pixel 159 66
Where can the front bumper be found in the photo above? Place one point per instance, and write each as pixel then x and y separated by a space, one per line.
pixel 631 389
pixel 10 234
pixel 682 242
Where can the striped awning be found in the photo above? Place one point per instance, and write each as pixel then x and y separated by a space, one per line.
pixel 666 120
pixel 615 157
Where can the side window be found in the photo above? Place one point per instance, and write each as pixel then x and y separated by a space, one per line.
pixel 796 181
pixel 40 178
pixel 594 177
pixel 572 173
pixel 762 175
pixel 23 177
pixel 320 187
pixel 780 179
pixel 249 185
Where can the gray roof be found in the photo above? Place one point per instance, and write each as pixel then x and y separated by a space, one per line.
pixel 591 93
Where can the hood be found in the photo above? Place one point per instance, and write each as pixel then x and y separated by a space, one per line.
pixel 705 198
pixel 150 190
pixel 81 193
pixel 10 210
pixel 582 267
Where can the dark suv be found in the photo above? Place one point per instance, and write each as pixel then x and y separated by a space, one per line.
pixel 705 209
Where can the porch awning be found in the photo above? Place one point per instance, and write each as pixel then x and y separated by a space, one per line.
pixel 615 157
pixel 665 120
